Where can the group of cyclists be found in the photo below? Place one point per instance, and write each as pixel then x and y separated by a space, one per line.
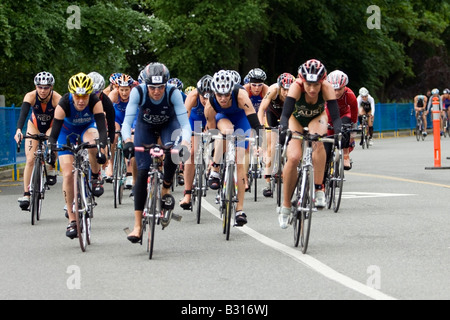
pixel 154 109
pixel 423 104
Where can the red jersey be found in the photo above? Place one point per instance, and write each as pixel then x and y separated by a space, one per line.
pixel 348 106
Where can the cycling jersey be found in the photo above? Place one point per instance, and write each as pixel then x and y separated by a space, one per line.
pixel 370 100
pixel 197 114
pixel 120 108
pixel 75 121
pixel 233 113
pixel 305 112
pixel 41 114
pixel 274 110
pixel 256 100
pixel 446 103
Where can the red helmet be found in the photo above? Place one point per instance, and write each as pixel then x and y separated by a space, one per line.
pixel 312 71
pixel 285 80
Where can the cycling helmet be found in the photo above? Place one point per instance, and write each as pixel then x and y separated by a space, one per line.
pixel 257 75
pixel 99 81
pixel 285 80
pixel 189 89
pixel 176 82
pixel 446 91
pixel 113 77
pixel 435 91
pixel 80 84
pixel 156 73
pixel 236 76
pixel 312 71
pixel 338 79
pixel 124 80
pixel 363 92
pixel 44 78
pixel 222 82
pixel 246 79
pixel 204 85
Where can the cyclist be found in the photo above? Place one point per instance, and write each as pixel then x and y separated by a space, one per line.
pixel 348 110
pixel 79 111
pixel 97 87
pixel 270 109
pixel 161 112
pixel 195 105
pixel 42 102
pixel 112 83
pixel 120 97
pixel 420 108
pixel 256 88
pixel 445 98
pixel 366 105
pixel 179 84
pixel 230 109
pixel 305 107
pixel 435 95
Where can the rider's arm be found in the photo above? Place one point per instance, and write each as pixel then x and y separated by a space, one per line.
pixel 100 120
pixel 246 104
pixel 58 121
pixel 330 97
pixel 372 105
pixel 110 117
pixel 351 98
pixel 130 112
pixel 191 101
pixel 266 101
pixel 25 109
pixel 181 112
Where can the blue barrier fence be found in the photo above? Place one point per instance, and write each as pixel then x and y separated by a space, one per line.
pixel 8 149
pixel 388 117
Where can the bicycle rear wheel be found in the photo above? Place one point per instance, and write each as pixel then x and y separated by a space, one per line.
pixel 337 181
pixel 199 190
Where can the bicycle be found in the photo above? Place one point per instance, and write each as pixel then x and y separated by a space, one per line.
pixel 254 171
pixel 84 201
pixel 277 169
pixel 365 132
pixel 228 188
pixel 304 194
pixel 334 175
pixel 420 130
pixel 38 181
pixel 446 124
pixel 154 213
pixel 200 185
pixel 119 171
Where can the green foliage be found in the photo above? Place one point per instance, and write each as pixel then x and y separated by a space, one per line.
pixel 196 37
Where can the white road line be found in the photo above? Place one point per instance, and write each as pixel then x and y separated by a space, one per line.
pixel 307 260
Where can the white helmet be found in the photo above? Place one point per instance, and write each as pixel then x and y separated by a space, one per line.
pixel 222 82
pixel 363 92
pixel 99 81
pixel 44 78
pixel 338 79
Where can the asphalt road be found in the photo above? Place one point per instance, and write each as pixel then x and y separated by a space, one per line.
pixel 389 240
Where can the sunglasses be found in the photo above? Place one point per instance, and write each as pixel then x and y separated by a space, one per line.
pixel 153 88
pixel 257 85
pixel 221 95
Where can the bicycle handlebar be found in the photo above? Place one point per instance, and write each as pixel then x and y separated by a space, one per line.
pixel 38 137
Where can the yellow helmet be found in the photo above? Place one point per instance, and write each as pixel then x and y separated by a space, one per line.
pixel 81 84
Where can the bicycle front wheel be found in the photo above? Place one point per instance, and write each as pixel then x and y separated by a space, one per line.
pixel 35 200
pixel 151 215
pixel 302 223
pixel 229 186
pixel 199 190
pixel 80 210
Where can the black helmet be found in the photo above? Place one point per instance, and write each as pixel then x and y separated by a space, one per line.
pixel 156 73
